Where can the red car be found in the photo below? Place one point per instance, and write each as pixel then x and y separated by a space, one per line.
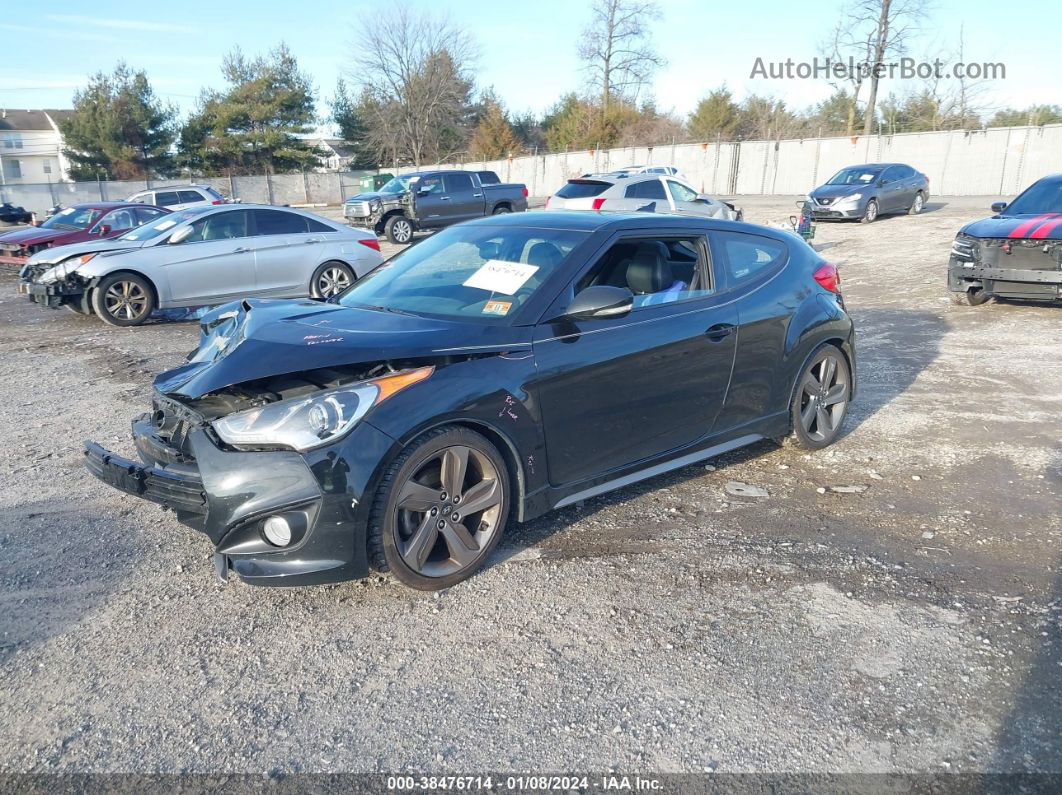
pixel 76 224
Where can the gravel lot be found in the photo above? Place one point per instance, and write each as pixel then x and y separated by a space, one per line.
pixel 910 626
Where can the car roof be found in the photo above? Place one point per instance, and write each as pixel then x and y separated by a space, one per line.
pixel 185 186
pixel 573 220
pixel 109 205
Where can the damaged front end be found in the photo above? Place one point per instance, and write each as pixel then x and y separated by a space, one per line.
pixel 1006 267
pixel 271 465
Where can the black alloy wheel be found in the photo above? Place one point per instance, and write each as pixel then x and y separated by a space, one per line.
pixel 441 508
pixel 820 402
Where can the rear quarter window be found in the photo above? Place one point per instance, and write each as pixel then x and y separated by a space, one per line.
pixel 744 256
pixel 582 189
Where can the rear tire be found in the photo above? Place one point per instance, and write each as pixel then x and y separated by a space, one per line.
pixel 918 204
pixel 975 296
pixel 418 529
pixel 399 230
pixel 820 399
pixel 331 279
pixel 501 210
pixel 123 299
pixel 870 213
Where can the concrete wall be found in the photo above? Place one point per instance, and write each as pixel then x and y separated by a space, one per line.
pixel 995 162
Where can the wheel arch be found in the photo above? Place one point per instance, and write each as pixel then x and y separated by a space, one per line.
pixel 95 281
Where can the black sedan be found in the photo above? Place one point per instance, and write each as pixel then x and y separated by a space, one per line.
pixel 494 371
pixel 10 214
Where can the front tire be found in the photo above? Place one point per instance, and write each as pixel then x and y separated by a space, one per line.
pixel 331 279
pixel 440 509
pixel 820 401
pixel 870 213
pixel 399 229
pixel 123 299
pixel 975 296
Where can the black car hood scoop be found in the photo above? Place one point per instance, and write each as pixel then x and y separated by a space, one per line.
pixel 255 339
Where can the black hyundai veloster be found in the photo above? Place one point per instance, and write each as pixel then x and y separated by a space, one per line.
pixel 494 371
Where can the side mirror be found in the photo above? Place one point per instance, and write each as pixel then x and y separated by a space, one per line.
pixel 180 235
pixel 998 207
pixel 601 302
pixel 882 181
pixel 703 200
pixel 425 191
pixel 103 229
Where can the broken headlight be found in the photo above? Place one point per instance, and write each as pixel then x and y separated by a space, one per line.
pixel 963 247
pixel 64 268
pixel 304 423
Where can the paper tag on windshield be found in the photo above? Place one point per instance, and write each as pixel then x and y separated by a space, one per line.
pixel 500 276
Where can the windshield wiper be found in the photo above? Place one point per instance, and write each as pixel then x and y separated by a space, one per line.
pixel 390 309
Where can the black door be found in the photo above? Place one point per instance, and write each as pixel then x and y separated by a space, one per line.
pixel 616 391
pixel 431 202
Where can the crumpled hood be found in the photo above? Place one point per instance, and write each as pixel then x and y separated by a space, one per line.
pixel 260 338
pixel 1047 226
pixel 365 197
pixel 34 236
pixel 59 253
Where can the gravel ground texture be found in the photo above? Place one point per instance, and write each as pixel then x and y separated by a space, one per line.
pixel 910 624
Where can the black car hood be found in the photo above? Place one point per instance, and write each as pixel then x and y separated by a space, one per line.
pixel 837 191
pixel 253 339
pixel 366 197
pixel 1047 226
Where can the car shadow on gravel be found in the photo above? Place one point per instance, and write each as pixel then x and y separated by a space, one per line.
pixel 893 347
pixel 61 561
pixel 1030 738
pixel 886 368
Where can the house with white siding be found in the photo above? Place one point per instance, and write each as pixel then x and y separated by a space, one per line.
pixel 31 147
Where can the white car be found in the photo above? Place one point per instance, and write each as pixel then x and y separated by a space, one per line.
pixel 180 197
pixel 200 257
pixel 640 192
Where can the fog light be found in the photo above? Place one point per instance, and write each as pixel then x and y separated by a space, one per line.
pixel 277 531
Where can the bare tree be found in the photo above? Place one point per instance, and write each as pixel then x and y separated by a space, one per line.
pixel 615 48
pixel 414 71
pixel 850 42
pixel 889 25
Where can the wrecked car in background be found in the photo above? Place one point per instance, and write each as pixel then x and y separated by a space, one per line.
pixel 97 222
pixel 493 372
pixel 201 257
pixel 432 200
pixel 1017 253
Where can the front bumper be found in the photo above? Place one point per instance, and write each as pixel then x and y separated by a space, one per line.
pixel 54 294
pixel 836 211
pixel 228 495
pixel 1044 285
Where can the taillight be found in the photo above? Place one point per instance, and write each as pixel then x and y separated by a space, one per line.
pixel 371 242
pixel 547 201
pixel 828 278
pixel 597 204
pixel 219 201
pixel 524 191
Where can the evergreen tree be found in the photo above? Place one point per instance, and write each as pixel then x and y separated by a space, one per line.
pixel 715 117
pixel 348 116
pixel 493 138
pixel 119 129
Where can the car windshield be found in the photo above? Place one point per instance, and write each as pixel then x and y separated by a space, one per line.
pixel 1040 197
pixel 854 176
pixel 398 184
pixel 72 218
pixel 466 272
pixel 162 224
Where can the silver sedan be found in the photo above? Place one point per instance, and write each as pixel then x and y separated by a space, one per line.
pixel 200 257
pixel 644 192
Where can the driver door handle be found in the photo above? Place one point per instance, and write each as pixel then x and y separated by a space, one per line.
pixel 240 250
pixel 313 240
pixel 719 332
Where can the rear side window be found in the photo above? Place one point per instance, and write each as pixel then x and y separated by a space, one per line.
pixel 582 189
pixel 317 226
pixel 649 189
pixel 211 193
pixel 488 178
pixel 745 256
pixel 278 222
pixel 188 196
pixel 457 183
pixel 168 198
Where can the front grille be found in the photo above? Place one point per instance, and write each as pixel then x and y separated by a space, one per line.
pixel 1017 254
pixel 824 201
pixel 356 209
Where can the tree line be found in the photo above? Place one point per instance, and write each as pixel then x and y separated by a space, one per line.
pixel 410 97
